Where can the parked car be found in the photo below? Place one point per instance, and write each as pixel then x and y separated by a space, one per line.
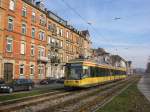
pixel 2 81
pixel 48 81
pixel 17 85
pixel 61 80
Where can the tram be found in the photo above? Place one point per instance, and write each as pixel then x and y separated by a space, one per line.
pixel 84 73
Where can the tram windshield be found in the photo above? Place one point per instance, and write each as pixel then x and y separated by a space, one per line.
pixel 78 72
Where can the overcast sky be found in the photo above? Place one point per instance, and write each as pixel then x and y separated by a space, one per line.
pixel 128 36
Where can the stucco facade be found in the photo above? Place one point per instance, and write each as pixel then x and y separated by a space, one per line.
pixel 35 43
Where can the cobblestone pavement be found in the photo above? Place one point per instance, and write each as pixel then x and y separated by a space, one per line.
pixel 144 86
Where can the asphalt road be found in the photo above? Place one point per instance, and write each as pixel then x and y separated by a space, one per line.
pixel 39 87
pixel 144 86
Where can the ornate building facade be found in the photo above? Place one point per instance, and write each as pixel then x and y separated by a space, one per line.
pixel 36 43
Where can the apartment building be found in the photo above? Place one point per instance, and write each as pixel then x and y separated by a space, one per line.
pixel 36 43
pixel 1 35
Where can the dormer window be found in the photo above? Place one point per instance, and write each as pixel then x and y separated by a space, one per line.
pixel 12 5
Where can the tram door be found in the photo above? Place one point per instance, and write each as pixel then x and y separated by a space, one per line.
pixel 8 72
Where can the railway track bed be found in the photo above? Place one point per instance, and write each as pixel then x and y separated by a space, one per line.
pixel 69 101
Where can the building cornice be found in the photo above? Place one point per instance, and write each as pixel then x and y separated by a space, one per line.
pixel 46 12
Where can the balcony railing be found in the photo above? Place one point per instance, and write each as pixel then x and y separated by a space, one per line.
pixel 43 59
pixel 55 60
pixel 55 45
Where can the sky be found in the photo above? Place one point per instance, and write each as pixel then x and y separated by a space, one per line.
pixel 128 36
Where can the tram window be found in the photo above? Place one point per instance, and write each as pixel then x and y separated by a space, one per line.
pixel 106 72
pixel 110 73
pixel 113 72
pixel 75 73
pixel 103 72
pixel 86 73
pixel 97 71
pixel 93 71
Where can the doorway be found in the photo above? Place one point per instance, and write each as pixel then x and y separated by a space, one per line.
pixel 8 72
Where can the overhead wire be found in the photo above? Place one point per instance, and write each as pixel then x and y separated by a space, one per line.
pixel 83 19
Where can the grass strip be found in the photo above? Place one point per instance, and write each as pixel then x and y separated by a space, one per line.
pixel 130 100
pixel 26 94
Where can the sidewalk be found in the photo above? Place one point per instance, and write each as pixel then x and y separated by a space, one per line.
pixel 144 86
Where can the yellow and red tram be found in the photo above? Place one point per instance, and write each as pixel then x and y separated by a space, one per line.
pixel 84 73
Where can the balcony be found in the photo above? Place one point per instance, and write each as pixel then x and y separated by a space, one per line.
pixel 55 60
pixel 43 59
pixel 55 46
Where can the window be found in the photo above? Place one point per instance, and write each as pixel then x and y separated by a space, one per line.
pixel 67 34
pixel 53 40
pixel 32 50
pixel 33 33
pixel 42 36
pixel 21 69
pixel 32 70
pixel 57 30
pixel 9 46
pixel 42 20
pixel 49 27
pixel 41 51
pixel 61 32
pixel 67 46
pixel 24 11
pixel 67 58
pixel 33 18
pixel 23 28
pixel 22 50
pixel 11 4
pixel 49 40
pixel 71 36
pixel 49 55
pixel 41 71
pixel 61 43
pixel 61 57
pixel 57 43
pixel 10 24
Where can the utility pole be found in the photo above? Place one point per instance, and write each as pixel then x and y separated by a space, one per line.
pixel 148 66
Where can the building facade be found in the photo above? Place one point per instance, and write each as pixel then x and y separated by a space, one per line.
pixel 103 57
pixel 35 43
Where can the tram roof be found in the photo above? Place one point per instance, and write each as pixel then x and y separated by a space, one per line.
pixel 87 62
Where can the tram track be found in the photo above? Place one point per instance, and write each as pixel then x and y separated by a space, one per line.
pixel 94 102
pixel 57 101
pixel 85 103
pixel 23 102
pixel 75 96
